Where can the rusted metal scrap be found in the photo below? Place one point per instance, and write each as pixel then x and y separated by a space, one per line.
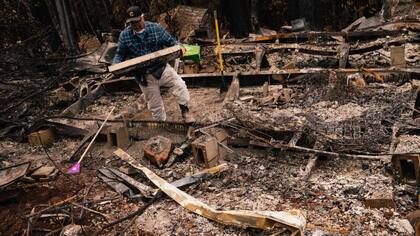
pixel 295 222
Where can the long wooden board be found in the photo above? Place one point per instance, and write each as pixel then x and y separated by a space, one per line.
pixel 160 56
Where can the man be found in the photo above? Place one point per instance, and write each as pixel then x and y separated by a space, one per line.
pixel 139 38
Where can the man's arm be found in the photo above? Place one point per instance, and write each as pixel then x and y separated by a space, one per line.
pixel 166 39
pixel 121 50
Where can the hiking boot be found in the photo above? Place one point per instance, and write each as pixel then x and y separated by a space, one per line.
pixel 186 114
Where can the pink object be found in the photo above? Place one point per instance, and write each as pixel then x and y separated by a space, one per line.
pixel 74 169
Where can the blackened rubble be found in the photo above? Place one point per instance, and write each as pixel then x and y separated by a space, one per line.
pixel 317 134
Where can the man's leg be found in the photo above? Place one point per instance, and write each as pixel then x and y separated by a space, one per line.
pixel 177 87
pixel 153 98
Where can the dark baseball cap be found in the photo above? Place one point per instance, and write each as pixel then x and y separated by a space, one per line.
pixel 134 14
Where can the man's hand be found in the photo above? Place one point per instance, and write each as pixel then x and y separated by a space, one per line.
pixel 184 51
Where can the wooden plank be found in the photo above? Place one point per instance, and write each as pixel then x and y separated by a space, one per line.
pixel 161 56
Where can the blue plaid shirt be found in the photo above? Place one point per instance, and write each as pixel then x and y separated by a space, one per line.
pixel 132 44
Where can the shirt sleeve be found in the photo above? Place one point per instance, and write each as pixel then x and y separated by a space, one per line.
pixel 121 50
pixel 165 38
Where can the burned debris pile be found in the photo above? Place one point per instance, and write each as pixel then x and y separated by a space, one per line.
pixel 305 126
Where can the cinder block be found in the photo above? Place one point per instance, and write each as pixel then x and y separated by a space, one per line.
pixel 222 137
pixel 117 136
pixel 407 167
pixel 45 137
pixel 206 151
pixel 398 56
pixel 414 218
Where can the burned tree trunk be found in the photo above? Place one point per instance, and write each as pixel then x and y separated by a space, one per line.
pixel 60 16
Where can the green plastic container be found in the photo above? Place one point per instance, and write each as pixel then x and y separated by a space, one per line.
pixel 192 53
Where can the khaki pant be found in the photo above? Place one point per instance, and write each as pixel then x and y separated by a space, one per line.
pixel 176 85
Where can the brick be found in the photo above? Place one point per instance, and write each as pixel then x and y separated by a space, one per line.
pixel 157 150
pixel 45 137
pixel 380 199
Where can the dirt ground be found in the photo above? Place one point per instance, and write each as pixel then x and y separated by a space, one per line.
pixel 332 199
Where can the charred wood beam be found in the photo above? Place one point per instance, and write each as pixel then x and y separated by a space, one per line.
pixel 415 70
pixel 317 50
pixel 313 159
pixel 286 147
pixel 349 36
pixel 402 24
pixel 65 27
pixel 343 55
pixel 296 136
pixel 251 78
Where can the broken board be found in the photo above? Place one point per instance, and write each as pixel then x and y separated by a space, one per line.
pixel 158 57
pixel 10 174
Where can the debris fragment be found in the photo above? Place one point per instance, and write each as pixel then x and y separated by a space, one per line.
pixel 10 174
pixel 398 56
pixel 44 173
pixel 157 150
pixel 117 136
pixel 380 199
pixel 206 151
pixel 72 230
pixel 414 218
pixel 43 137
pixel 407 167
pixel 119 181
